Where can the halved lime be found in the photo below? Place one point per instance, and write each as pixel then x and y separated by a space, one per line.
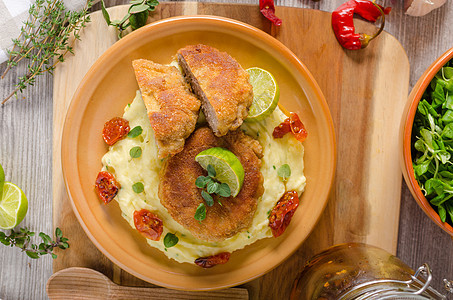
pixel 2 178
pixel 227 167
pixel 265 94
pixel 13 206
pixel 2 175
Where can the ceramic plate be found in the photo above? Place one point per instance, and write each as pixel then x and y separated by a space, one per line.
pixel 110 84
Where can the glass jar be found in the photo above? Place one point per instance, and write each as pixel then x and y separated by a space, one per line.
pixel 359 271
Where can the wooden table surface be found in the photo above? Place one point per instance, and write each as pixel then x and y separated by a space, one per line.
pixel 26 155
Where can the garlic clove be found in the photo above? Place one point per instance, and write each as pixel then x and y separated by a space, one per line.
pixel 419 8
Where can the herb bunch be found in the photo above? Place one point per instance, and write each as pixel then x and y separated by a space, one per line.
pixel 22 240
pixel 44 40
pixel 136 16
pixel 432 140
pixel 209 185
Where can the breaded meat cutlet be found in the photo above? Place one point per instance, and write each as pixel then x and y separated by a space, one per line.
pixel 220 83
pixel 172 108
pixel 178 193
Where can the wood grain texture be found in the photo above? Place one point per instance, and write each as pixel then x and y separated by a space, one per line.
pixel 365 203
pixel 84 283
pixel 26 155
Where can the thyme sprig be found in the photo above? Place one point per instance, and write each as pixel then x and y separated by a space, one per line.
pixel 22 240
pixel 45 38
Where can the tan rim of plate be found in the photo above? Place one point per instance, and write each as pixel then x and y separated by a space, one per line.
pixel 110 85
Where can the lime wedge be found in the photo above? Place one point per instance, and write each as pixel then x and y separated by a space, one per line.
pixel 227 167
pixel 2 175
pixel 2 178
pixel 13 206
pixel 265 94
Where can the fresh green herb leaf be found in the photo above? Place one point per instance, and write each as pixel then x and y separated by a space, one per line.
pixel 138 187
pixel 212 187
pixel 59 233
pixel 224 190
pixel 432 135
pixel 135 132
pixel 422 168
pixel 284 172
pixel 442 213
pixel 22 240
pixel 202 181
pixel 31 254
pixel 208 198
pixel 138 20
pixel 105 13
pixel 211 171
pixel 200 213
pixel 152 3
pixel 44 40
pixel 138 8
pixel 135 152
pixel 136 17
pixel 170 240
pixel 447 132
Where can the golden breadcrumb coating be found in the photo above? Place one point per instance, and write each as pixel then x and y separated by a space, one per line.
pixel 172 108
pixel 220 83
pixel 178 193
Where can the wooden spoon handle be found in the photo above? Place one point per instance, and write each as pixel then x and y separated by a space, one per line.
pixel 87 284
pixel 124 292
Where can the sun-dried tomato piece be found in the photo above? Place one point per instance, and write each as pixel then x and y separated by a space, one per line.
pixel 115 130
pixel 282 213
pixel 106 186
pixel 148 224
pixel 298 128
pixel 292 124
pixel 282 129
pixel 211 261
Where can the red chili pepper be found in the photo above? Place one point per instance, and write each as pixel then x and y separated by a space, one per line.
pixel 267 8
pixel 343 22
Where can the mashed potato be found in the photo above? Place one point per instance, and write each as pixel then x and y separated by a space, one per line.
pixel 145 169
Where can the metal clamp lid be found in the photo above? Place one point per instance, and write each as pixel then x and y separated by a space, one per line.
pixel 415 288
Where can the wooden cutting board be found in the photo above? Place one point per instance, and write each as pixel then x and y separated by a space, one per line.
pixel 366 91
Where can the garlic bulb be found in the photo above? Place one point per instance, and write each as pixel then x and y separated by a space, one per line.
pixel 419 8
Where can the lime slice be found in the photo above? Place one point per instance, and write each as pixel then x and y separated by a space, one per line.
pixel 2 178
pixel 227 167
pixel 13 206
pixel 2 175
pixel 265 94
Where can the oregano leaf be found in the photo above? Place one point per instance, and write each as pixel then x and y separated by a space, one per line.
pixel 170 240
pixel 200 213
pixel 135 152
pixel 208 198
pixel 138 187
pixel 135 132
pixel 284 172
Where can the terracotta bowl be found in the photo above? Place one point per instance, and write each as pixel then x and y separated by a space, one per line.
pixel 406 135
pixel 110 84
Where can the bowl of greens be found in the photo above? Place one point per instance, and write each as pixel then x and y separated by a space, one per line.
pixel 427 142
